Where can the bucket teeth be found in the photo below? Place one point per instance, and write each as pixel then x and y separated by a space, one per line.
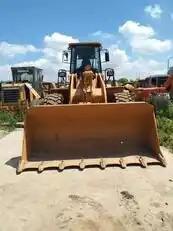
pixel 123 163
pixel 61 165
pixel 20 167
pixel 40 167
pixel 162 159
pixel 102 164
pixel 82 165
pixel 143 162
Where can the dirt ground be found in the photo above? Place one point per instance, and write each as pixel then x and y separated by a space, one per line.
pixel 112 199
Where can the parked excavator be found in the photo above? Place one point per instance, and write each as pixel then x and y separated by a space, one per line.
pixel 88 127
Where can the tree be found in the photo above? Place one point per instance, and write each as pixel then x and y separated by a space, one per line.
pixel 123 81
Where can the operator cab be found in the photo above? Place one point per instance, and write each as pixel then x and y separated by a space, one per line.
pixel 83 54
pixel 32 75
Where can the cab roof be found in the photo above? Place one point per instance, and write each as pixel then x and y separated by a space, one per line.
pixel 92 44
pixel 25 68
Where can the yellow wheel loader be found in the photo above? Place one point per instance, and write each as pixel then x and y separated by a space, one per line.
pixel 87 127
pixel 24 88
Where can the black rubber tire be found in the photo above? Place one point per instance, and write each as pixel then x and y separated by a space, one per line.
pixel 123 97
pixel 53 99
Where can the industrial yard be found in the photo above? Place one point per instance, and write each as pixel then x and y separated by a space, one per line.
pixel 86 115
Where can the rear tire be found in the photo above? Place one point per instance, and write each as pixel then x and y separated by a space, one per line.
pixel 53 99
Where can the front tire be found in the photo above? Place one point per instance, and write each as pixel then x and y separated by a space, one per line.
pixel 123 97
pixel 53 99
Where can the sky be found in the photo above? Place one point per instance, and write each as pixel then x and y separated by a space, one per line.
pixel 138 34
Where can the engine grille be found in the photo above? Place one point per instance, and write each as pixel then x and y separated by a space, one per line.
pixel 9 95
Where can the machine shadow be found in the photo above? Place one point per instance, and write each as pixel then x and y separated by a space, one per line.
pixel 13 162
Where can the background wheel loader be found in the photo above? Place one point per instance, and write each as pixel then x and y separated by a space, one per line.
pixel 87 127
pixel 18 94
pixel 26 89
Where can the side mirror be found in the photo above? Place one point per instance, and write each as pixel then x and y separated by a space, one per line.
pixel 65 57
pixel 107 56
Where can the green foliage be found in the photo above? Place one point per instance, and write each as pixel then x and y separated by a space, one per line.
pixel 165 125
pixel 8 120
pixel 167 113
pixel 123 81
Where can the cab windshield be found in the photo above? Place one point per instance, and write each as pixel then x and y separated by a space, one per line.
pixel 84 55
pixel 24 76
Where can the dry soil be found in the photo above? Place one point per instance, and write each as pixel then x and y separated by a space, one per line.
pixel 104 200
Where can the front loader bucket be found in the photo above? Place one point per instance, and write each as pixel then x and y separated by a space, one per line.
pixel 90 135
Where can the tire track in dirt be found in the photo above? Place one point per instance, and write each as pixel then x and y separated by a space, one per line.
pixel 85 213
